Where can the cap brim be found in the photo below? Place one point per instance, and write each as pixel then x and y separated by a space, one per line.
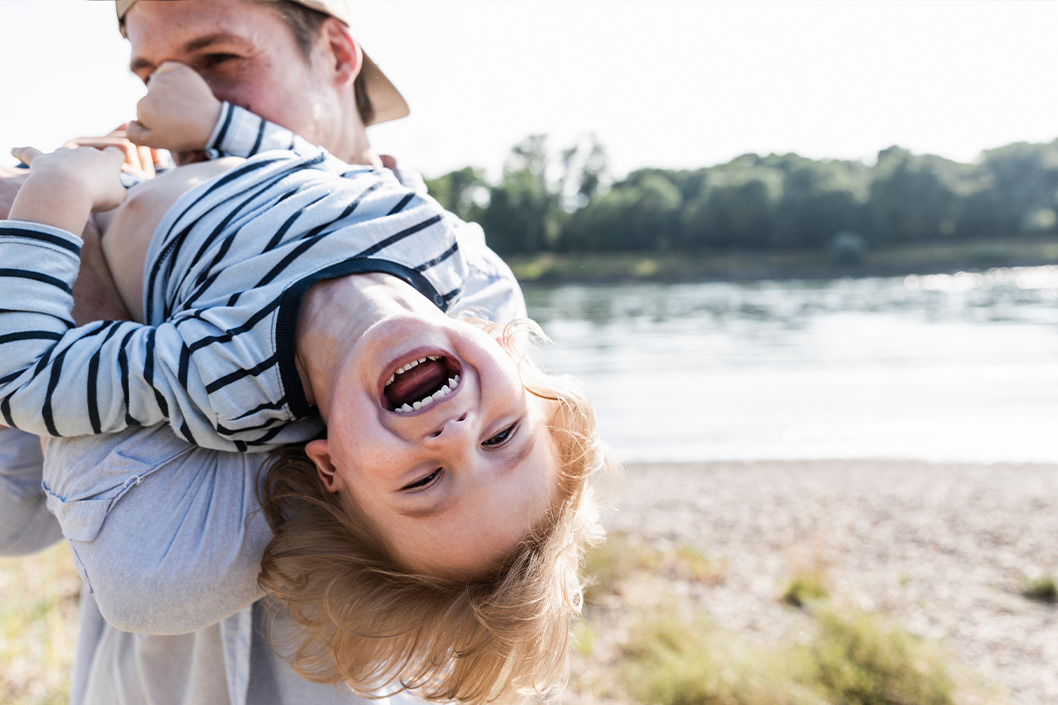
pixel 386 100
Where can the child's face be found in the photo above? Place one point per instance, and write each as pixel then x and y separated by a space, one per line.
pixel 457 482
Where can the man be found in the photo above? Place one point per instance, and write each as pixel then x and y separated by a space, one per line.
pixel 184 619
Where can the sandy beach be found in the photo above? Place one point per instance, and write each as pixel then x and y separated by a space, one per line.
pixel 944 550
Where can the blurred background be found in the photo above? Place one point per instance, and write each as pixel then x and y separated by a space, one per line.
pixel 757 230
pixel 716 206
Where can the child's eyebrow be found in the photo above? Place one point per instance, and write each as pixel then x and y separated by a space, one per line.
pixel 509 463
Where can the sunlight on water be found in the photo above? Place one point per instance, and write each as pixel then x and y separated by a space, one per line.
pixel 945 367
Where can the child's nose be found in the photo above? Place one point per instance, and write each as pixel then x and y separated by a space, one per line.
pixel 452 428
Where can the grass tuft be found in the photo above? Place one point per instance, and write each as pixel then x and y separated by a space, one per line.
pixel 675 658
pixel 806 587
pixel 1042 589
pixel 860 661
pixel 608 564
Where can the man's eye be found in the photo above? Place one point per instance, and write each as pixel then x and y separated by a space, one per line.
pixel 212 60
pixel 501 437
pixel 423 482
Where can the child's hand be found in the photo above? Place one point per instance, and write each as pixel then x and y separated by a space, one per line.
pixel 65 186
pixel 178 113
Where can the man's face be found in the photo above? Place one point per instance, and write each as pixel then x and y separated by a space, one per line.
pixel 246 54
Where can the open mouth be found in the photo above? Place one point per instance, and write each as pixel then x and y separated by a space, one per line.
pixel 420 383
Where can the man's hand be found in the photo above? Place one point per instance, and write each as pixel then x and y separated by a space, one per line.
pixel 66 186
pixel 178 113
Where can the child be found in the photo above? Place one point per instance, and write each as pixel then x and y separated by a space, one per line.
pixel 432 540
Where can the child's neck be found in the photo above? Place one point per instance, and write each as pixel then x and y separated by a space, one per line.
pixel 334 315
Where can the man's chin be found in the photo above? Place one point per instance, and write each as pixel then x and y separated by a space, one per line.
pixel 183 158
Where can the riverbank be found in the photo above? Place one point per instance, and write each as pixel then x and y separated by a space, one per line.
pixel 927 258
pixel 943 550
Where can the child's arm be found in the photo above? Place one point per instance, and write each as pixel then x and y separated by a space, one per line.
pixel 181 114
pixel 65 187
pixel 60 380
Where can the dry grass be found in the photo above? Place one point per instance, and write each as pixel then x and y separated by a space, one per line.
pixel 38 627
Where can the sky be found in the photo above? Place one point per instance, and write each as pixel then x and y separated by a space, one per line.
pixel 666 83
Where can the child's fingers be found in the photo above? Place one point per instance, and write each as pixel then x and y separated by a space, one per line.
pixel 26 155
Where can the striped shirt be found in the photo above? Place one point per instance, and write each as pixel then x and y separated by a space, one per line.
pixel 224 277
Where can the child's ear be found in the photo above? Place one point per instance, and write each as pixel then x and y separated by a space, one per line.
pixel 319 453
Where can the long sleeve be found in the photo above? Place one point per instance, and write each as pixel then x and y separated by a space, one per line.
pixel 241 133
pixel 61 380
pixel 26 525
pixel 165 535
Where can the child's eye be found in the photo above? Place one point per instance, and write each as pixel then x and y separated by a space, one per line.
pixel 424 481
pixel 501 437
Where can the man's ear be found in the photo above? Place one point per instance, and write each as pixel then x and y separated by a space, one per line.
pixel 319 453
pixel 342 51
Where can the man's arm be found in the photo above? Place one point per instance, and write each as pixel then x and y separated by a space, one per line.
pixel 167 536
pixel 26 526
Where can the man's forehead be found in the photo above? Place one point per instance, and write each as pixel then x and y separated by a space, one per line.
pixel 335 8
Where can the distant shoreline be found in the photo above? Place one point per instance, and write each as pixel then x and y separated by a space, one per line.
pixel 926 258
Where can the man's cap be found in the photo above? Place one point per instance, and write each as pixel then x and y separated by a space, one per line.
pixel 386 101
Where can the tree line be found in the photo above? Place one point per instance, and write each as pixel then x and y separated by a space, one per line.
pixel 567 201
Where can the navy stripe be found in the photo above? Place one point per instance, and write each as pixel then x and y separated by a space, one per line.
pixel 35 276
pixel 222 382
pixel 185 363
pixel 30 335
pixel 53 381
pixel 260 136
pixel 62 242
pixel 383 244
pixel 5 409
pixel 148 373
pixel 440 258
pixel 403 202
pixel 227 335
pixel 228 112
pixel 267 406
pixel 225 431
pixel 92 392
pixel 123 363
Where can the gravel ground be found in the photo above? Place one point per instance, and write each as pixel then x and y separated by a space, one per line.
pixel 942 549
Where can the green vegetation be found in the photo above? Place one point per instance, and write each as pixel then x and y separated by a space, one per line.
pixel 853 659
pixel 807 587
pixel 1042 589
pixel 608 564
pixel 38 627
pixel 891 260
pixel 858 660
pixel 676 659
pixel 833 214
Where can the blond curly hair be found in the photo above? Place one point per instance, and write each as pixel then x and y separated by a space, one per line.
pixel 376 626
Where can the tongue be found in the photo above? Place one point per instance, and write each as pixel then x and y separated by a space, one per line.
pixel 426 378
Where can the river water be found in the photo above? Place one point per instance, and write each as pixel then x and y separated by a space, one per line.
pixel 939 367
